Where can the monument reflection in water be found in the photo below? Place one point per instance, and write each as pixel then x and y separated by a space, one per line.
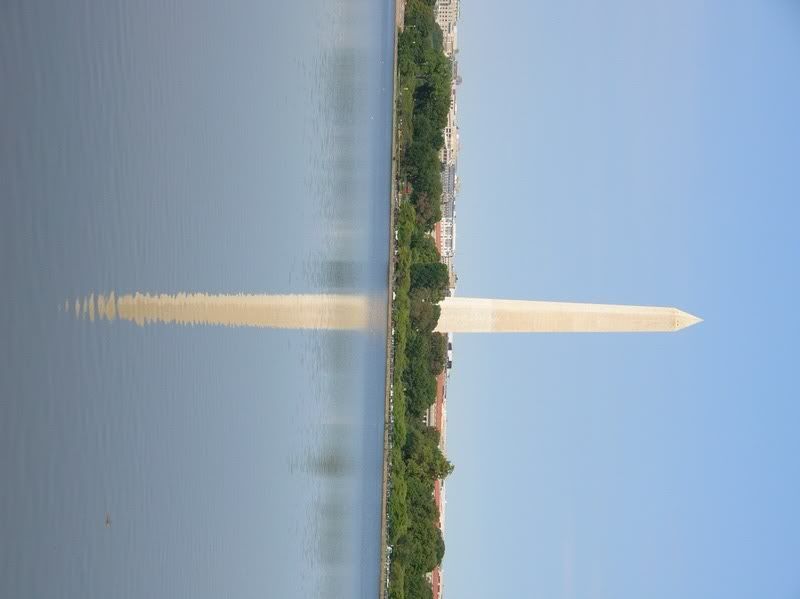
pixel 171 146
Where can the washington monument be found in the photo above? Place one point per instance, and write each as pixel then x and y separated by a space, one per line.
pixel 474 315
pixel 360 312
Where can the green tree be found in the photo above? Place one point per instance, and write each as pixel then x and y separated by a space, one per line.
pixel 398 503
pixel 423 248
pixel 397 581
pixel 438 352
pixel 429 207
pixel 432 275
pixel 420 384
pixel 423 454
pixel 424 309
pixel 419 588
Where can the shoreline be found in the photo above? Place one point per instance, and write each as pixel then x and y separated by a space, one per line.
pixel 383 578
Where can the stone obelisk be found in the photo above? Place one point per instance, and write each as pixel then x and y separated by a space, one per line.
pixel 476 315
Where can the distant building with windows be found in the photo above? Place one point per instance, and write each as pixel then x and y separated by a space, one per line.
pixel 436 417
pixel 451 133
pixel 448 238
pixel 449 187
pixel 449 152
pixel 446 15
pixel 444 236
pixel 446 233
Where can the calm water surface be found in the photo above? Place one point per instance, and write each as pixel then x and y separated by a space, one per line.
pixel 190 146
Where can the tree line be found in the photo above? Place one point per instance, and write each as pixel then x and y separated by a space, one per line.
pixel 425 77
pixel 421 282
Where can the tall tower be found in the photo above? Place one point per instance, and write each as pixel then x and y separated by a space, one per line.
pixel 474 315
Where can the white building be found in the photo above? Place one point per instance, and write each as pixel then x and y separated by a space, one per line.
pixel 446 15
pixel 451 133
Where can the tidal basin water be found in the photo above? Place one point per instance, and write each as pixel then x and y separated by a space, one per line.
pixel 191 147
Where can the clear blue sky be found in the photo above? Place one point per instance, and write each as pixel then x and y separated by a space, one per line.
pixel 642 152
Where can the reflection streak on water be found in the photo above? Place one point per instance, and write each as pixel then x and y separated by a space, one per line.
pixel 322 311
